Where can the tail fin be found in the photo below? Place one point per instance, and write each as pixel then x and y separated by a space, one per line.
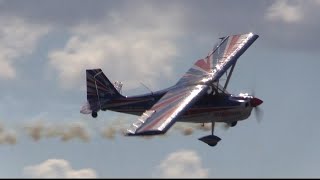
pixel 99 89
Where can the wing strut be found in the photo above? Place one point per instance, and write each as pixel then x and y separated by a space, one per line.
pixel 229 76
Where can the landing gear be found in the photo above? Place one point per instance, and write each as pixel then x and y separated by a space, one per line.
pixel 211 140
pixel 94 114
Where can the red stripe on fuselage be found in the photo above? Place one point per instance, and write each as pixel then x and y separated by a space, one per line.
pixel 125 103
pixel 193 111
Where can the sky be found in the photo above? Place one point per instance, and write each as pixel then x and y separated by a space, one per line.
pixel 45 47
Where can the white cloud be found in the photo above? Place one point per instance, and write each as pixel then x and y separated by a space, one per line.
pixel 286 11
pixel 293 11
pixel 57 168
pixel 182 164
pixel 17 38
pixel 134 45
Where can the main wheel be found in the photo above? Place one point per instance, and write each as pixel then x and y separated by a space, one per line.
pixel 211 140
pixel 94 114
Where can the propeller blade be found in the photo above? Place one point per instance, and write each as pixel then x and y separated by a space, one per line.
pixel 258 114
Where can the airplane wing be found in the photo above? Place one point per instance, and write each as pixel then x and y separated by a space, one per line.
pixel 220 59
pixel 192 85
pixel 162 115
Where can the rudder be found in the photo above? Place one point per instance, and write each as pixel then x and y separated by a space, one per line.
pixel 99 89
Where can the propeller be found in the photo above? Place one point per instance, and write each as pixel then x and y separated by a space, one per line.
pixel 258 112
pixel 255 102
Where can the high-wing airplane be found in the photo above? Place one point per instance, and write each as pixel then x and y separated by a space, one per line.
pixel 197 97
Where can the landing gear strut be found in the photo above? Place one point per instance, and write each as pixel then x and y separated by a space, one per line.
pixel 211 140
pixel 94 114
pixel 212 128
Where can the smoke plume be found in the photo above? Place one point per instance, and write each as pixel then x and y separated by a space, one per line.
pixel 184 128
pixel 203 127
pixel 1 128
pixel 187 129
pixel 7 137
pixel 35 130
pixel 109 132
pixel 39 130
pixel 117 126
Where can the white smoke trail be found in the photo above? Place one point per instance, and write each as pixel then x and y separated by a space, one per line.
pixel 185 128
pixel 108 132
pixel 203 127
pixel 1 128
pixel 35 130
pixel 7 137
pixel 76 130
pixel 187 131
pixel 54 130
pixel 117 126
pixel 40 129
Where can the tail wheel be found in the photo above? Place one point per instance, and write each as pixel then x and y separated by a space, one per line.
pixel 234 123
pixel 94 114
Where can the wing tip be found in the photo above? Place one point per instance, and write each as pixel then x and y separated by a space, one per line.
pixel 251 33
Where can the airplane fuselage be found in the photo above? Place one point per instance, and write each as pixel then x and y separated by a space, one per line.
pixel 210 108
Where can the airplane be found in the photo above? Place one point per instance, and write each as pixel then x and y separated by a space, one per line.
pixel 197 97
